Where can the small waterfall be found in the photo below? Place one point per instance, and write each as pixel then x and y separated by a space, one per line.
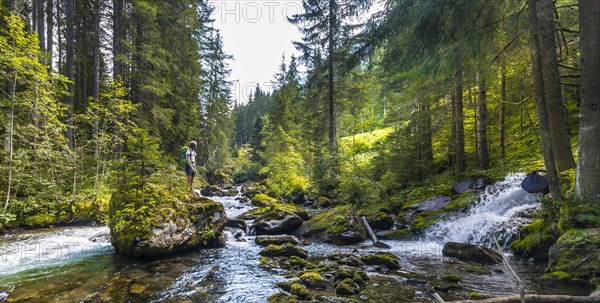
pixel 501 210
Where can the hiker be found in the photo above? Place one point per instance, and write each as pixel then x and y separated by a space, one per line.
pixel 190 165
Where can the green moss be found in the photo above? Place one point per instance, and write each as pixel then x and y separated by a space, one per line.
pixel 478 296
pixel 477 269
pixel 285 250
pixel 300 291
pixel 535 240
pixel 557 276
pixel 576 253
pixel 451 278
pixel 388 260
pixel 277 208
pixel 462 201
pixel 282 297
pixel 345 289
pixel 313 280
pixel 334 222
pixel 263 200
pixel 575 214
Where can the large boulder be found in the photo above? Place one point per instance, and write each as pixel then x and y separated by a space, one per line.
pixel 177 226
pixel 432 203
pixel 576 255
pixel 468 184
pixel 340 225
pixel 285 250
pixel 275 208
pixel 277 223
pixel 380 220
pixel 262 200
pixel 471 253
pixel 277 240
pixel 535 240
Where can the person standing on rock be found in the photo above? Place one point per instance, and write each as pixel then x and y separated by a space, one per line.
pixel 190 165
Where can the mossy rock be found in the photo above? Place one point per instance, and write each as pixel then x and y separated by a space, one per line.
pixel 346 289
pixel 535 240
pixel 313 280
pixel 451 278
pixel 221 179
pixel 276 208
pixel 478 296
pixel 323 202
pixel 339 225
pixel 380 220
pixel 471 253
pixel 168 225
pixel 282 297
pixel 285 250
pixel 343 273
pixel 404 234
pixel 277 240
pixel 576 253
pixel 557 276
pixel 263 200
pixel 300 291
pixel 388 260
pixel 580 216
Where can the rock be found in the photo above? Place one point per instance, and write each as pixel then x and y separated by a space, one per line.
pixel 273 209
pixel 576 253
pixel 323 202
pixel 471 252
pixel 276 223
pixel 346 289
pixel 262 200
pixel 451 278
pixel 137 289
pixel 535 240
pixel 313 280
pixel 432 203
pixel 236 223
pixel 285 250
pixel 277 240
pixel 468 184
pixel 380 220
pixel 388 260
pixel 220 179
pixel 197 223
pixel 399 234
pixel 340 225
pixel 210 191
pixel 300 291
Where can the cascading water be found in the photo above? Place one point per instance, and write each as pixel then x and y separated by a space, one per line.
pixel 501 210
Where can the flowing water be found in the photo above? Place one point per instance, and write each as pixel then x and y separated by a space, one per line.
pixel 79 264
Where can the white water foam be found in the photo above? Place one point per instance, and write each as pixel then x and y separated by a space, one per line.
pixel 41 249
pixel 501 210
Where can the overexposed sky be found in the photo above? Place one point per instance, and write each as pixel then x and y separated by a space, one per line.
pixel 257 34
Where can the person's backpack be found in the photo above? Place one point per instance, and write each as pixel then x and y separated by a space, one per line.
pixel 182 152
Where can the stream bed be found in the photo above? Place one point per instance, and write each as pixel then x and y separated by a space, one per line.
pixel 78 264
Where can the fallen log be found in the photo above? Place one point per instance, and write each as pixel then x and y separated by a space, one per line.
pixel 536 299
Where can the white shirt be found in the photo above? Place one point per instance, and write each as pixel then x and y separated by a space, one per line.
pixel 191 155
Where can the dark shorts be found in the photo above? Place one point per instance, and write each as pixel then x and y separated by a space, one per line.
pixel 189 172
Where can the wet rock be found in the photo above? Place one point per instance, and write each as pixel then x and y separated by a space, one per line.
pixel 277 223
pixel 262 200
pixel 472 253
pixel 576 253
pixel 535 240
pixel 197 223
pixel 275 209
pixel 432 203
pixel 380 220
pixel 313 280
pixel 137 288
pixel 220 179
pixel 340 225
pixel 346 288
pixel 399 234
pixel 210 191
pixel 285 250
pixel 345 259
pixel 451 278
pixel 300 291
pixel 323 202
pixel 277 240
pixel 388 260
pixel 236 223
pixel 468 184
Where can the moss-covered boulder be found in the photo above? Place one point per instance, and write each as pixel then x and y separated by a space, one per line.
pixel 177 225
pixel 577 254
pixel 388 260
pixel 277 240
pixel 253 214
pixel 471 253
pixel 535 240
pixel 313 280
pixel 340 225
pixel 276 223
pixel 323 202
pixel 285 250
pixel 262 200
pixel 380 220
pixel 220 179
pixel 404 234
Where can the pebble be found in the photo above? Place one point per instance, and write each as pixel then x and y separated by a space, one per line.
pixel 419 294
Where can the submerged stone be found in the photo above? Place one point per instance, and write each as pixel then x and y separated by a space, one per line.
pixel 471 253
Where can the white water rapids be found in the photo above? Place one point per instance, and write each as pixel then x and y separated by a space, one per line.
pixel 500 210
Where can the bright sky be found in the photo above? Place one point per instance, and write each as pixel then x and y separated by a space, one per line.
pixel 257 34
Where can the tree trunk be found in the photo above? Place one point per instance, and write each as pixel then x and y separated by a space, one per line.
pixel 49 30
pixel 41 31
pixel 559 128
pixel 96 63
pixel 69 69
pixel 588 169
pixel 542 110
pixel 460 127
pixel 117 36
pixel 330 76
pixel 502 111
pixel 11 94
pixel 482 121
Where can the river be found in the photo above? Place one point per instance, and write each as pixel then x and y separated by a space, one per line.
pixel 78 264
